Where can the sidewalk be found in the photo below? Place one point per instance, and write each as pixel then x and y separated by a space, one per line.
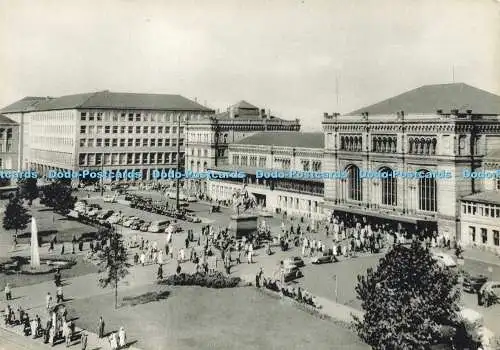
pixel 476 254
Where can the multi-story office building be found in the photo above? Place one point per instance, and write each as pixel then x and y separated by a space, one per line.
pixel 209 138
pixel 276 151
pixel 480 212
pixel 9 150
pixel 436 131
pixel 137 133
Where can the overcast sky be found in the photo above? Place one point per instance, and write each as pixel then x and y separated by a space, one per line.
pixel 279 55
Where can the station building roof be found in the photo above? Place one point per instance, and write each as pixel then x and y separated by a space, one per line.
pixel 285 139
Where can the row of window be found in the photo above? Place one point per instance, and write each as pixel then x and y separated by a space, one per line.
pixel 198 152
pixel 308 165
pixel 480 209
pixel 252 161
pixel 384 144
pixel 8 147
pixel 427 189
pixel 50 141
pixel 130 142
pixel 135 117
pixel 122 129
pixel 5 133
pixel 484 236
pixel 425 146
pixel 351 143
pixel 128 158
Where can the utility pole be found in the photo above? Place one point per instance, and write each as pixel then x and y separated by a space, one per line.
pixel 102 173
pixel 177 180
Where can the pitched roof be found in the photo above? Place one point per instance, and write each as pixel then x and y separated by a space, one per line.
pixel 244 105
pixel 428 99
pixel 119 100
pixel 227 116
pixel 22 105
pixel 6 120
pixel 285 139
pixel 491 197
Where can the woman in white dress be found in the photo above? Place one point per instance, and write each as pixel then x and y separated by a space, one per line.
pixel 113 343
pixel 122 339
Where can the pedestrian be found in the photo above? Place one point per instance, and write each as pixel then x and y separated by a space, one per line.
pixel 83 339
pixel 62 248
pixel 113 343
pixel 59 295
pixel 48 300
pixel 100 327
pixel 8 292
pixel 122 338
pixel 160 272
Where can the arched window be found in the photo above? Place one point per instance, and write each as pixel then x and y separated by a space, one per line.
pixel 427 191
pixel 394 145
pixel 205 166
pixel 410 141
pixel 384 147
pixel 433 147
pixel 422 146
pixel 354 183
pixel 389 187
pixel 342 142
pixel 192 165
pixel 225 138
pixel 198 166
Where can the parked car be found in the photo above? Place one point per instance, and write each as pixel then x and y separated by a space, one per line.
pixel 472 284
pixel 444 259
pixel 105 214
pixel 490 293
pixel 192 218
pixel 114 219
pixel 294 261
pixel 145 226
pixel 109 199
pixel 292 273
pixel 158 226
pixel 129 221
pixel 136 225
pixel 325 258
pixel 192 199
pixel 92 212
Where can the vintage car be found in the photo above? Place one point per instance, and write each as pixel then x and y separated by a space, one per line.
pixel 325 258
pixel 472 284
pixel 489 293
pixel 444 259
pixel 294 261
pixel 291 273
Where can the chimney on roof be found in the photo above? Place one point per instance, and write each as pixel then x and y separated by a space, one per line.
pixel 469 111
pixel 439 111
pixel 454 111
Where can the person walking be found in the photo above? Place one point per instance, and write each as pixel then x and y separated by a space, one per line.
pixel 83 339
pixel 59 295
pixel 100 328
pixel 122 338
pixel 113 343
pixel 8 292
pixel 48 300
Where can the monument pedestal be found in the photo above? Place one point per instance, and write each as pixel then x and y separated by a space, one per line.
pixel 243 225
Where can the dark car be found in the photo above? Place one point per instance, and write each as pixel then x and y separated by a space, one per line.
pixel 324 259
pixel 292 273
pixel 472 284
pixel 296 260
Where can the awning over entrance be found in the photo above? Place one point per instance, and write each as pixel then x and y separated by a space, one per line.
pixel 386 216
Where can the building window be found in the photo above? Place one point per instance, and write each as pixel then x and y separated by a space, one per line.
pixel 484 235
pixel 99 129
pixel 160 142
pixel 107 129
pixel 472 233
pixel 130 142
pixel 174 129
pixel 91 117
pixel 115 129
pixel 106 142
pixel 137 129
pixel 83 129
pixel 160 130
pixel 98 142
pixel 138 117
pixel 137 142
pixel 181 142
pixel 153 143
pixel 305 165
pixel 82 157
pixel 153 129
pixel 83 116
pixel 496 238
pixel 122 142
pixel 99 117
pixel 122 129
pixel 130 117
pixel 427 192
pixel 498 184
pixel 389 187
pixel 262 162
pixel 167 130
pixel 90 143
pixel 354 183
pixel 130 129
pixel 145 142
pixel 82 142
pixel 145 130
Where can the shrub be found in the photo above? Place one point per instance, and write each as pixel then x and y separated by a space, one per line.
pixel 216 280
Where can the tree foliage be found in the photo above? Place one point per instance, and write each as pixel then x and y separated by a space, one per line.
pixel 58 195
pixel 113 262
pixel 28 189
pixel 410 301
pixel 16 216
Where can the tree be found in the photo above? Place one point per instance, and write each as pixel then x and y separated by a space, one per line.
pixel 114 262
pixel 58 195
pixel 28 189
pixel 16 216
pixel 410 301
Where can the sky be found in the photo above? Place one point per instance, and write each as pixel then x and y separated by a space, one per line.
pixel 297 58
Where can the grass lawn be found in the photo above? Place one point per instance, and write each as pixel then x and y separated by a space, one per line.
pixel 18 280
pixel 202 318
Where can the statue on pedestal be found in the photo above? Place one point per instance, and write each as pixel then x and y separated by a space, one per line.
pixel 243 200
